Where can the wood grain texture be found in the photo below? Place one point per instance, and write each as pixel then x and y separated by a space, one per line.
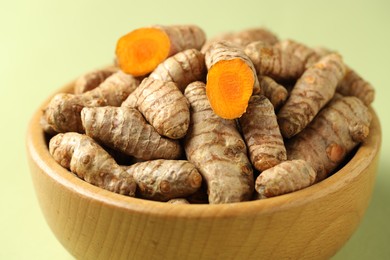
pixel 93 223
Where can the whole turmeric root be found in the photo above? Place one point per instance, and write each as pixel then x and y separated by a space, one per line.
pixel 163 180
pixel 90 162
pixel 284 178
pixel 92 79
pixel 140 51
pixel 217 150
pixel 311 92
pixel 63 111
pixel 306 55
pixel 274 62
pixel 182 68
pixel 262 135
pixel 354 85
pixel 334 133
pixel 231 80
pixel 163 106
pixel 244 37
pixel 275 92
pixel 126 130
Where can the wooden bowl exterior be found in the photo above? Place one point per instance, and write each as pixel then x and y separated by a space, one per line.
pixel 93 223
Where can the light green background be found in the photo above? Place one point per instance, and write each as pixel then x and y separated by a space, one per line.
pixel 45 44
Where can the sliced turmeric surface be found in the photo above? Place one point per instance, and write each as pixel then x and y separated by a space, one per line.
pixel 140 51
pixel 229 87
pixel 231 80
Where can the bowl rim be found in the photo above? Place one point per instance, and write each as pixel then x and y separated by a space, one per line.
pixel 37 149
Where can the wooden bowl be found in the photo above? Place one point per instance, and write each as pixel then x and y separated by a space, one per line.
pixel 312 223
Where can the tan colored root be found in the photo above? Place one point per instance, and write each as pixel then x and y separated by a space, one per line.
pixel 354 85
pixel 284 178
pixel 63 111
pixel 272 61
pixel 262 135
pixel 306 55
pixel 275 92
pixel 183 37
pixel 217 150
pixel 310 93
pixel 126 130
pixel 90 162
pixel 163 180
pixel 92 79
pixel 47 128
pixel 178 201
pixel 182 68
pixel 163 106
pixel 244 37
pixel 332 135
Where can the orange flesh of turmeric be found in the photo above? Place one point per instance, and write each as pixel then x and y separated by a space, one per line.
pixel 229 87
pixel 140 51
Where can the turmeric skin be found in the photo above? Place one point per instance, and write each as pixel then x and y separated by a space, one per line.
pixel 140 51
pixel 352 84
pixel 244 37
pixel 310 93
pixel 275 92
pixel 274 62
pixel 333 133
pixel 284 178
pixel 182 68
pixel 231 79
pixel 163 106
pixel 262 135
pixel 90 162
pixel 126 130
pixel 92 79
pixel 216 148
pixel 163 180
pixel 178 201
pixel 63 111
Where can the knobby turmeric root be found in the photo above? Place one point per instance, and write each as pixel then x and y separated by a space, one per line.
pixel 140 51
pixel 352 84
pixel 250 76
pixel 126 130
pixel 163 106
pixel 90 162
pixel 63 111
pixel 275 92
pixel 334 133
pixel 274 62
pixel 262 135
pixel 284 178
pixel 182 68
pixel 163 180
pixel 217 150
pixel 231 80
pixel 92 79
pixel 311 92
pixel 244 37
pixel 307 56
